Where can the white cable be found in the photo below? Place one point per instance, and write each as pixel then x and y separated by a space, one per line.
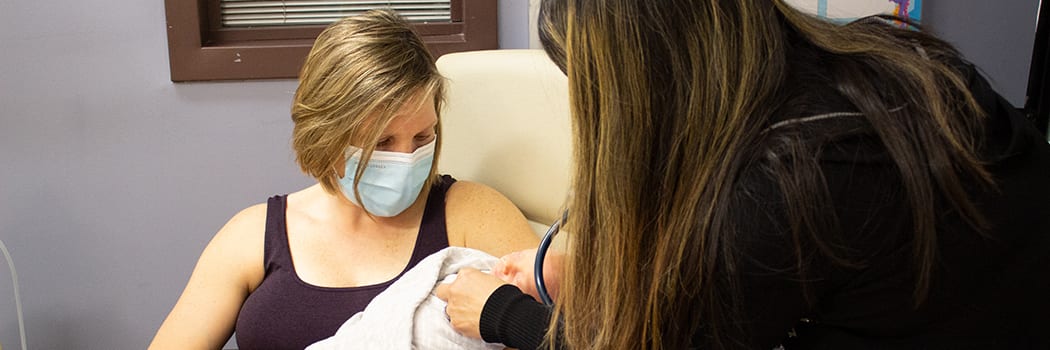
pixel 18 300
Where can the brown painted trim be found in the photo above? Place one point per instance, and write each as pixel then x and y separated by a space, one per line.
pixel 228 35
pixel 198 53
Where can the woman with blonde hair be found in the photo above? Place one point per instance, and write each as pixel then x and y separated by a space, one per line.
pixel 748 176
pixel 288 273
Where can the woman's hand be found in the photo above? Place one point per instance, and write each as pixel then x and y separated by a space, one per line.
pixel 466 297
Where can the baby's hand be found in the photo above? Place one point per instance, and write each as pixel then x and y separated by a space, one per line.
pixel 517 268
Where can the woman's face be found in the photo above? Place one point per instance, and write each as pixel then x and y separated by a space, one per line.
pixel 413 126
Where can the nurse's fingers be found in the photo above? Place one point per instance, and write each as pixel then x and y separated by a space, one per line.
pixel 466 297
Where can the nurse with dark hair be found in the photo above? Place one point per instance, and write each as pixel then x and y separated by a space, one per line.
pixel 748 176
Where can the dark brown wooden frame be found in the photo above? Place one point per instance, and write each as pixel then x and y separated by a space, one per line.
pixel 199 48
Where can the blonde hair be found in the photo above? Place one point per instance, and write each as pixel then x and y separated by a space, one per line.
pixel 668 100
pixel 359 73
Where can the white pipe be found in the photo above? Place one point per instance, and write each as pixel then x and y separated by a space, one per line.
pixel 18 300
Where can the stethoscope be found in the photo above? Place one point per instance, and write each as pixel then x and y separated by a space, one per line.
pixel 545 243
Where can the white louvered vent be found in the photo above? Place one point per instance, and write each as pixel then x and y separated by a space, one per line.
pixel 248 13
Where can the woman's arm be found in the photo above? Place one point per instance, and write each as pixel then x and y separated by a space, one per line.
pixel 230 266
pixel 480 217
pixel 483 306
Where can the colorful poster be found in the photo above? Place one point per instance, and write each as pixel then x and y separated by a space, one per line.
pixel 848 10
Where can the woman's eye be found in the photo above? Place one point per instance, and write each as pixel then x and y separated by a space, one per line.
pixel 383 142
pixel 424 138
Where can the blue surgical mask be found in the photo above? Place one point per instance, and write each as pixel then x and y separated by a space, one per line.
pixel 391 181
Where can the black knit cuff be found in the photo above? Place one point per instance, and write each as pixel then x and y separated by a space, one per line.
pixel 514 319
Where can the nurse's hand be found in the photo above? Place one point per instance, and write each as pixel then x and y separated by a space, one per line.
pixel 466 297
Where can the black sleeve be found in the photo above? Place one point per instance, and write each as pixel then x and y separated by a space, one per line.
pixel 514 319
pixel 771 291
pixel 864 208
pixel 1008 132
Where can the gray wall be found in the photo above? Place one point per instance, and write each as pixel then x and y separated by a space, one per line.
pixel 996 35
pixel 112 178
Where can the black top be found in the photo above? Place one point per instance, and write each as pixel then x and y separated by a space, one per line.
pixel 285 312
pixel 987 292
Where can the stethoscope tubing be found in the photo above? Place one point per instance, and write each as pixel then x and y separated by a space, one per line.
pixel 541 252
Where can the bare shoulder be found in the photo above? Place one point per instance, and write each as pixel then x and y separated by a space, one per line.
pixel 248 224
pixel 479 217
pixel 239 245
pixel 474 191
pixel 468 199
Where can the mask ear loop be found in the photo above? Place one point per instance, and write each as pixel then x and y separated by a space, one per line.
pixel 541 286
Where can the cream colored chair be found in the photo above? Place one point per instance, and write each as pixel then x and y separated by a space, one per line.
pixel 506 124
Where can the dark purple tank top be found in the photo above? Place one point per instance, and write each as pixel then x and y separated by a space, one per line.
pixel 286 313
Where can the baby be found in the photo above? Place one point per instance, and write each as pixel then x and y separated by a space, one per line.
pixel 409 316
pixel 517 268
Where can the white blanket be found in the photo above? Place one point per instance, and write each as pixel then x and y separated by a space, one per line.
pixel 408 315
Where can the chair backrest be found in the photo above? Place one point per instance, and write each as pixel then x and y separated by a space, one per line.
pixel 506 124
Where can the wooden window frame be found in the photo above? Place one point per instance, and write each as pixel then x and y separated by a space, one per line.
pixel 199 48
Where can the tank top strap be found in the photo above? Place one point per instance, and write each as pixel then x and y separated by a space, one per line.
pixel 275 247
pixel 433 235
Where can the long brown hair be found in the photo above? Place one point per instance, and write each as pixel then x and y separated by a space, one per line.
pixel 668 99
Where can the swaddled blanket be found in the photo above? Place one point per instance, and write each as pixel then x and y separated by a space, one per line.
pixel 408 315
